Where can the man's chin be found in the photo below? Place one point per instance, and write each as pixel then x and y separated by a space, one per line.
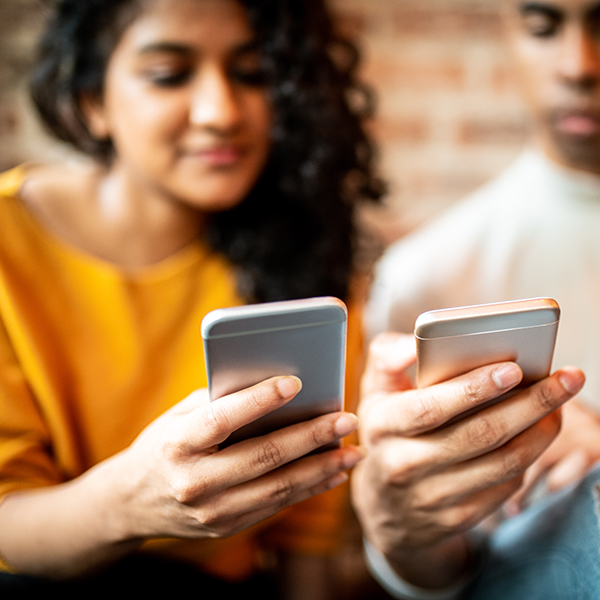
pixel 579 151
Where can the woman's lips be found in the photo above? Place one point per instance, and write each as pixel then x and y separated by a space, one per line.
pixel 578 123
pixel 221 156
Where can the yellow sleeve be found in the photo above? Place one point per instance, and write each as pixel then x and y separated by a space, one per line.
pixel 25 443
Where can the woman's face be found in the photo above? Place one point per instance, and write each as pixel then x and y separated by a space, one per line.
pixel 184 103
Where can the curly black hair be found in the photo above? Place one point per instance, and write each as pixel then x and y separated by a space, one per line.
pixel 295 235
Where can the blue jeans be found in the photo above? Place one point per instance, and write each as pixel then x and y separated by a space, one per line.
pixel 549 552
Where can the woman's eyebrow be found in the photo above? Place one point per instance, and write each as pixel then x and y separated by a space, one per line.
pixel 248 47
pixel 169 47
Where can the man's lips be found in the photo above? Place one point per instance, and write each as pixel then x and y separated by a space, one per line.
pixel 578 123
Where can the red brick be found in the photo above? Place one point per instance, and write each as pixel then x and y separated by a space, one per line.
pixel 405 130
pixel 502 80
pixel 430 182
pixel 417 73
pixel 433 21
pixel 491 132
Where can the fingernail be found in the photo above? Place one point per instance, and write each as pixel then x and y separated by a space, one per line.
pixel 572 381
pixel 506 376
pixel 353 456
pixel 289 386
pixel 337 480
pixel 346 424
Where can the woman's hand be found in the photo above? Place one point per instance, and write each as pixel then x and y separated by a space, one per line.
pixel 183 486
pixel 173 481
pixel 423 484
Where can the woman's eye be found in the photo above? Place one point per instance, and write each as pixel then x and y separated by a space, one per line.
pixel 250 77
pixel 541 25
pixel 168 78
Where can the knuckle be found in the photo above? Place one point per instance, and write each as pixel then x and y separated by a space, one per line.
pixel 182 489
pixel 401 472
pixel 252 397
pixel 460 518
pixel 216 421
pixel 269 455
pixel 486 432
pixel 187 486
pixel 473 390
pixel 515 462
pixel 208 518
pixel 425 413
pixel 171 448
pixel 546 398
pixel 282 492
pixel 323 434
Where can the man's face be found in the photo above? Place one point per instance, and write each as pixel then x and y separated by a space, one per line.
pixel 555 51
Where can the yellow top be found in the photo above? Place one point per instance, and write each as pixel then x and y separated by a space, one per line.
pixel 90 355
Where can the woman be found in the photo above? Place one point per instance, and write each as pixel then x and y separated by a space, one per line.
pixel 227 159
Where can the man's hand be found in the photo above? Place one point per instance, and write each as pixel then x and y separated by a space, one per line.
pixel 423 483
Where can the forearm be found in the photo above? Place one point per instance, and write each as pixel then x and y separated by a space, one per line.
pixel 66 530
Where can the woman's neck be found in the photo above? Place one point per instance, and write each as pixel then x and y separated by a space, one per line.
pixel 103 213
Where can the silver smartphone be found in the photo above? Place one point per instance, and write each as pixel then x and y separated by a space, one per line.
pixel 453 341
pixel 306 338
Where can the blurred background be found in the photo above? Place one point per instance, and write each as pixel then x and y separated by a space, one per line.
pixel 448 115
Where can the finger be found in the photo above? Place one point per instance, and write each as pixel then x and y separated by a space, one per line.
pixel 250 459
pixel 416 412
pixel 265 496
pixel 390 354
pixel 507 463
pixel 211 424
pixel 546 480
pixel 498 424
pixel 569 470
pixel 531 481
pixel 476 507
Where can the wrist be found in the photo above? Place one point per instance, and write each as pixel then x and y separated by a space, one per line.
pixel 115 491
pixel 418 577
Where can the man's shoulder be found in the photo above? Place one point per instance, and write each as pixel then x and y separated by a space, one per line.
pixel 469 219
pixel 420 270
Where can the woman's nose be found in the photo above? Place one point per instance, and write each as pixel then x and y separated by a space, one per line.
pixel 214 102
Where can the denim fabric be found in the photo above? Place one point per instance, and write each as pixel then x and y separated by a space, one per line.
pixel 549 552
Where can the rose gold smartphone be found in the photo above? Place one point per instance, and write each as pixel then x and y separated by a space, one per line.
pixel 247 344
pixel 453 341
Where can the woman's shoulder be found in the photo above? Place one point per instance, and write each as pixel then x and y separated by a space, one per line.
pixel 34 197
pixel 44 184
pixel 11 181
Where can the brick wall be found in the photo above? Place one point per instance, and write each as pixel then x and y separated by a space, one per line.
pixel 21 138
pixel 448 116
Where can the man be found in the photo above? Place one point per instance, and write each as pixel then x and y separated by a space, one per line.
pixel 424 488
pixel 533 231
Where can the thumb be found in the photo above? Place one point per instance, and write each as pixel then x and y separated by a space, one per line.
pixel 390 355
